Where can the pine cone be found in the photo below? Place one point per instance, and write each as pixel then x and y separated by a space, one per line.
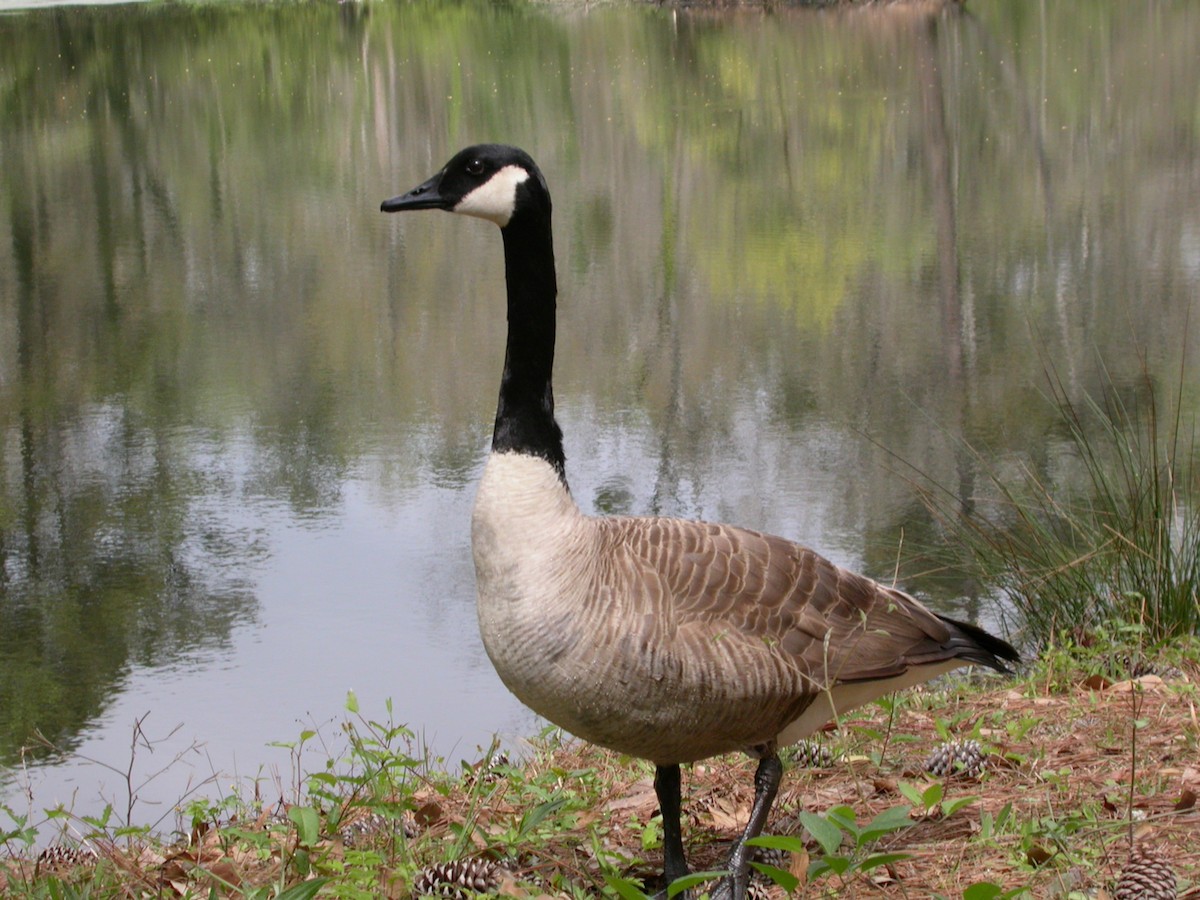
pixel 59 857
pixel 957 757
pixel 460 878
pixel 811 754
pixel 771 856
pixel 498 760
pixel 1135 666
pixel 1147 876
pixel 759 887
pixel 360 826
pixel 360 831
pixel 487 770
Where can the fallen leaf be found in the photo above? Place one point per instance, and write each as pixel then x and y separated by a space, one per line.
pixel 885 785
pixel 1145 683
pixel 509 888
pixel 1142 832
pixel 1097 683
pixel 199 830
pixel 641 795
pixel 725 817
pixel 428 813
pixel 176 867
pixel 1038 855
pixel 799 866
pixel 1187 800
pixel 226 872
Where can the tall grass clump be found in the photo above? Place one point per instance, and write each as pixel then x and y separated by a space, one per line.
pixel 1112 537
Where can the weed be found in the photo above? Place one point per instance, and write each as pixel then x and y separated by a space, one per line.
pixel 1079 760
pixel 840 825
pixel 1111 533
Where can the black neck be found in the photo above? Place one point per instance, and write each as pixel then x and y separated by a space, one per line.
pixel 525 415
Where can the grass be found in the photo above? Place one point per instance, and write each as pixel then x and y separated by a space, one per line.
pixel 1107 530
pixel 1081 758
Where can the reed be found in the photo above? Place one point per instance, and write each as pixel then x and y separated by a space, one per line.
pixel 1112 536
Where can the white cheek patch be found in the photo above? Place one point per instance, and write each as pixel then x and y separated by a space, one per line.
pixel 495 199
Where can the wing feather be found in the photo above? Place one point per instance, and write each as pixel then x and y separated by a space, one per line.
pixel 720 582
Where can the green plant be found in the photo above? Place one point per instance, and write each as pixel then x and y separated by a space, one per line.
pixel 1112 534
pixel 831 830
pixel 987 890
pixel 991 825
pixel 19 834
pixel 930 799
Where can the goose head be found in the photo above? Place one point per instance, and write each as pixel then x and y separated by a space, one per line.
pixel 490 181
pixel 502 184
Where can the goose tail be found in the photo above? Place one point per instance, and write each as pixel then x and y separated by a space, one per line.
pixel 972 644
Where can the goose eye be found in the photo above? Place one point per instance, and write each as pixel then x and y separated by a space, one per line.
pixel 475 167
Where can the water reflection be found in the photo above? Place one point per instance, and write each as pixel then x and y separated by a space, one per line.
pixel 241 412
pixel 122 556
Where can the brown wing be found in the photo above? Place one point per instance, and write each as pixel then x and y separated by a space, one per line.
pixel 832 624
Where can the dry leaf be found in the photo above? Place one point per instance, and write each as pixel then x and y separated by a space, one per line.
pixel 885 785
pixel 428 813
pixel 641 795
pixel 199 830
pixel 798 866
pixel 226 871
pixel 726 817
pixel 1097 683
pixel 1187 800
pixel 508 887
pixel 1143 832
pixel 1038 855
pixel 177 866
pixel 1145 683
pixel 586 819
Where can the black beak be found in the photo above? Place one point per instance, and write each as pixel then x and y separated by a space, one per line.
pixel 424 196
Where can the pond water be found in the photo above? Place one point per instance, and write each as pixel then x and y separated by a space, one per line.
pixel 242 412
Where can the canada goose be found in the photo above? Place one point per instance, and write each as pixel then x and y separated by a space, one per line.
pixel 661 638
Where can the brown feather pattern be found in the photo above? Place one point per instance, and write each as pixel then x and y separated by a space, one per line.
pixel 676 640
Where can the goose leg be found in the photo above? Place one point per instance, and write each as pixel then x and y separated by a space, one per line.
pixel 766 786
pixel 666 785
